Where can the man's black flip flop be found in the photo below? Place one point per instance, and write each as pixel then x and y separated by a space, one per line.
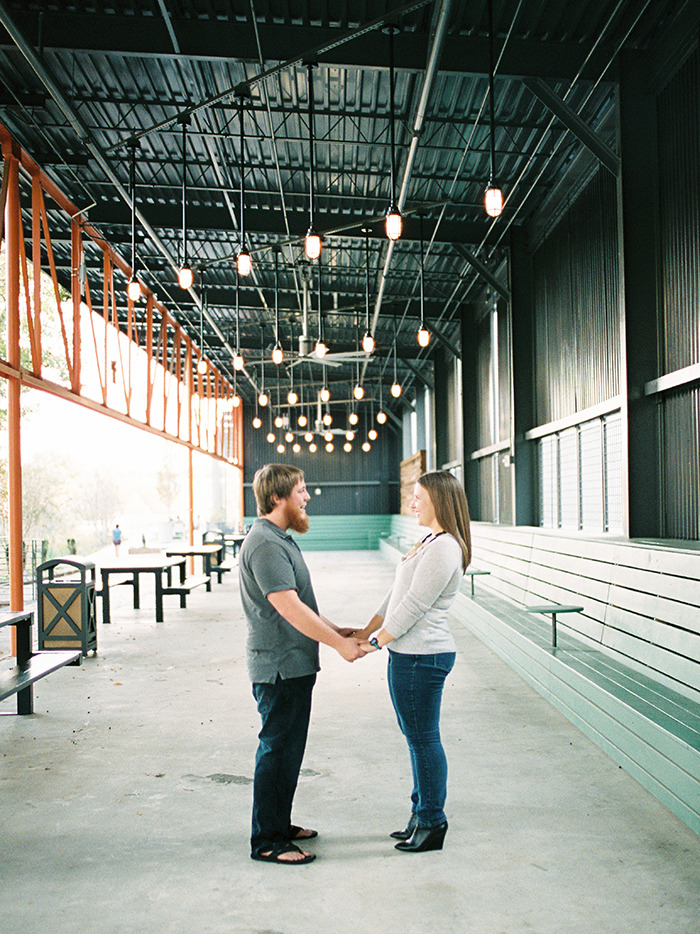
pixel 276 850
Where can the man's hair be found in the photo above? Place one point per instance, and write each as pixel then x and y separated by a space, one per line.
pixel 272 483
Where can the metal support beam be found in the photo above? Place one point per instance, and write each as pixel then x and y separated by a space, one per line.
pixel 573 122
pixel 483 271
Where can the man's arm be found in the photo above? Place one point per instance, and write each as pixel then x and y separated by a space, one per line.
pixel 303 618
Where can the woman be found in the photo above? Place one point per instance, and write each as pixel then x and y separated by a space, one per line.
pixel 412 623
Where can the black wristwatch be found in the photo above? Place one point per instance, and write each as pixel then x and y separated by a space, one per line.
pixel 373 641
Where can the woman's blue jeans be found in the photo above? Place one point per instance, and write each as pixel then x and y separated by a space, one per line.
pixel 415 686
pixel 285 709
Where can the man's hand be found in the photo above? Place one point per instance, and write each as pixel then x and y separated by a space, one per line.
pixel 350 649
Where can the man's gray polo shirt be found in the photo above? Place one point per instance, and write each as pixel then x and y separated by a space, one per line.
pixel 270 561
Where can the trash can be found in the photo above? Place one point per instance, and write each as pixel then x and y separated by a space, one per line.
pixel 65 597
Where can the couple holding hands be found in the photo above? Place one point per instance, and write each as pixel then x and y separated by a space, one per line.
pixel 284 632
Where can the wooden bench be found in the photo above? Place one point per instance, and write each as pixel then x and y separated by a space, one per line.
pixel 31 666
pixel 626 668
pixel 186 586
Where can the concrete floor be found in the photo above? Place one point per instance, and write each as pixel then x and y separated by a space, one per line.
pixel 125 800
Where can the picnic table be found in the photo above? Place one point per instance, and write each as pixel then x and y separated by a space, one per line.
pixel 135 565
pixel 206 552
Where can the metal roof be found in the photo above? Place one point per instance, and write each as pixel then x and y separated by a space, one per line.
pixel 81 80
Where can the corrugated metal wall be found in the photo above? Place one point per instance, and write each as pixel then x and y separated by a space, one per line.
pixel 679 324
pixel 357 483
pixel 577 344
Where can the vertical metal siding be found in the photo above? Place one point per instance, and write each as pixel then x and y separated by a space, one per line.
pixel 679 325
pixel 577 345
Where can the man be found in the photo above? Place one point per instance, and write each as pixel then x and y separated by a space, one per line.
pixel 284 630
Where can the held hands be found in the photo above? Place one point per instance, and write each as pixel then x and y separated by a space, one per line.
pixel 350 649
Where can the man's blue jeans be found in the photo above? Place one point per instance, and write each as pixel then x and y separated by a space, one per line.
pixel 285 709
pixel 415 685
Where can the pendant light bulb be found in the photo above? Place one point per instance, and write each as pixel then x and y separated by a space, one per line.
pixel 372 434
pixel 302 421
pixel 279 421
pixel 263 399
pixel 271 437
pixel 396 390
pixel 366 447
pixel 423 336
pixel 353 418
pixel 325 394
pixel 133 290
pixel 381 417
pixel 238 361
pixel 328 419
pixel 277 354
pixel 257 422
pixel 185 277
pixel 359 392
pixel 321 350
pixel 244 263
pixel 312 244
pixel 202 367
pixel 292 397
pixel 393 224
pixel 493 201
pixel 368 343
pixel 236 401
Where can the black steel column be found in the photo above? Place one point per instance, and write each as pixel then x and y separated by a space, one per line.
pixel 523 401
pixel 638 225
pixel 469 409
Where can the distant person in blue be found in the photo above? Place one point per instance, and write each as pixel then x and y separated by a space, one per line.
pixel 116 539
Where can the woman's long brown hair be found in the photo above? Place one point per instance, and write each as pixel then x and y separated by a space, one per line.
pixel 451 508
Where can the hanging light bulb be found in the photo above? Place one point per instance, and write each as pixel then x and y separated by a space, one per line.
pixel 359 392
pixel 281 449
pixel 366 446
pixel 185 277
pixel 313 448
pixel 308 436
pixel 277 354
pixel 493 196
pixel 236 401
pixel 325 394
pixel 368 343
pixel 271 437
pixel 244 262
pixel 423 336
pixel 296 448
pixel 347 447
pixel 493 201
pixel 350 435
pixel 372 434
pixel 133 290
pixel 321 350
pixel 263 399
pixel 328 419
pixel 238 361
pixel 302 421
pixel 396 390
pixel 202 367
pixel 257 422
pixel 289 437
pixel 393 224
pixel 328 436
pixel 353 418
pixel 292 397
pixel 330 448
pixel 312 244
pixel 279 421
pixel 381 417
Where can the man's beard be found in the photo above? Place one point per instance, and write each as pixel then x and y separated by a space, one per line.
pixel 297 520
